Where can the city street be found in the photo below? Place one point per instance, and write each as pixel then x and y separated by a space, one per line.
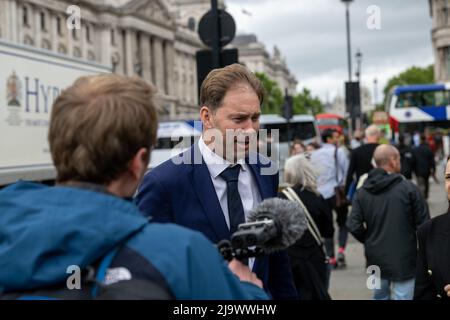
pixel 350 283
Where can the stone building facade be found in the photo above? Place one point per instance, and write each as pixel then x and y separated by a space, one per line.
pixel 254 55
pixel 133 37
pixel 440 34
pixel 155 39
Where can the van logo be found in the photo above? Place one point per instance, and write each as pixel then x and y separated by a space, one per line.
pixel 13 91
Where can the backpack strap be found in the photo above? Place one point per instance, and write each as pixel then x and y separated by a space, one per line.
pixel 101 271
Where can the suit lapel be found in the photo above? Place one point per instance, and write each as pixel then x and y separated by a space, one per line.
pixel 264 184
pixel 206 193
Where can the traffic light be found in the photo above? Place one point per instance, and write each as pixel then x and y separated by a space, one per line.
pixel 287 108
pixel 352 98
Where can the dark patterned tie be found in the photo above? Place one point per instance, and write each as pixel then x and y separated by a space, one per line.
pixel 235 207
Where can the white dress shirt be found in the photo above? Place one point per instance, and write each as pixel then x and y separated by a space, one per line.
pixel 248 189
pixel 247 186
pixel 324 162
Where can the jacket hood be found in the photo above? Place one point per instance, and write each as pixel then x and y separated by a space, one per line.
pixel 44 230
pixel 380 181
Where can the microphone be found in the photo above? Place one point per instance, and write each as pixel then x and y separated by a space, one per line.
pixel 275 224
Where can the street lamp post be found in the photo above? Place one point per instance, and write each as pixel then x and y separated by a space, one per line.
pixel 350 107
pixel 349 49
pixel 358 62
pixel 358 117
pixel 375 91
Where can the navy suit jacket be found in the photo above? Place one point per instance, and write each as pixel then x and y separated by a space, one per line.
pixel 184 194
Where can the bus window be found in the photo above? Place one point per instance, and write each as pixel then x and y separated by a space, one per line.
pixel 303 130
pixel 282 127
pixel 427 99
pixel 407 99
pixel 299 130
pixel 441 98
pixel 328 122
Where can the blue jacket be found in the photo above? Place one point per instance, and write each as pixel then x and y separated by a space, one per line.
pixel 44 230
pixel 184 194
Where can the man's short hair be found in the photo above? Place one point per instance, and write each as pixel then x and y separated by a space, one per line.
pixel 98 124
pixel 327 133
pixel 219 81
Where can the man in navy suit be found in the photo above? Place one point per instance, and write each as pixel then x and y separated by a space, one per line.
pixel 212 186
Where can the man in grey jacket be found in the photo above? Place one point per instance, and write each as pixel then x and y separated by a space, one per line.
pixel 386 212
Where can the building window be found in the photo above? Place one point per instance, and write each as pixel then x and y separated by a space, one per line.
pixel 46 45
pixel 88 34
pixel 191 24
pixel 77 52
pixel 62 49
pixel 43 22
pixel 28 41
pixel 58 26
pixel 447 61
pixel 25 17
pixel 91 56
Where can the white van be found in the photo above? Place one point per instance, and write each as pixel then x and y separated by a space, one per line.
pixel 302 127
pixel 174 137
pixel 30 81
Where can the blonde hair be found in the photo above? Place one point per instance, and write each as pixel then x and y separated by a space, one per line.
pixel 299 171
pixel 98 124
pixel 372 131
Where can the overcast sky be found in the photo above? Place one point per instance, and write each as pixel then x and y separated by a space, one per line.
pixel 312 37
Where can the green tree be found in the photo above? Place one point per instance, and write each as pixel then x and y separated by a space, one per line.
pixel 274 97
pixel 413 75
pixel 304 102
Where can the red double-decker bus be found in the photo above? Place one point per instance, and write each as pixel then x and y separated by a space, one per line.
pixel 330 121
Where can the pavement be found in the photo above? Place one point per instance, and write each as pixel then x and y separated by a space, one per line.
pixel 350 283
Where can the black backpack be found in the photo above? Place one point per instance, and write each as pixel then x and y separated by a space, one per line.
pixel 93 287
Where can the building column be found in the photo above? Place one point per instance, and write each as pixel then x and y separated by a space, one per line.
pixel 13 22
pixel 105 45
pixel 129 52
pixel 180 76
pixel 170 66
pixel 37 27
pixel 158 63
pixel 193 85
pixel 5 17
pixel 54 31
pixel 146 56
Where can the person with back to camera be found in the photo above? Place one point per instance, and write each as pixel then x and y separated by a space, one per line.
pixel 433 260
pixel 102 130
pixel 307 256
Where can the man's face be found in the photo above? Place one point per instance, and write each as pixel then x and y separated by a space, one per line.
pixel 297 149
pixel 239 116
pixel 334 139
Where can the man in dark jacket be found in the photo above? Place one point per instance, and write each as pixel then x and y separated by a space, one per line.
pixel 385 215
pixel 424 165
pixel 406 158
pixel 361 157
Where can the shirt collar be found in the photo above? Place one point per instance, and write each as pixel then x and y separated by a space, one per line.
pixel 328 145
pixel 215 163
